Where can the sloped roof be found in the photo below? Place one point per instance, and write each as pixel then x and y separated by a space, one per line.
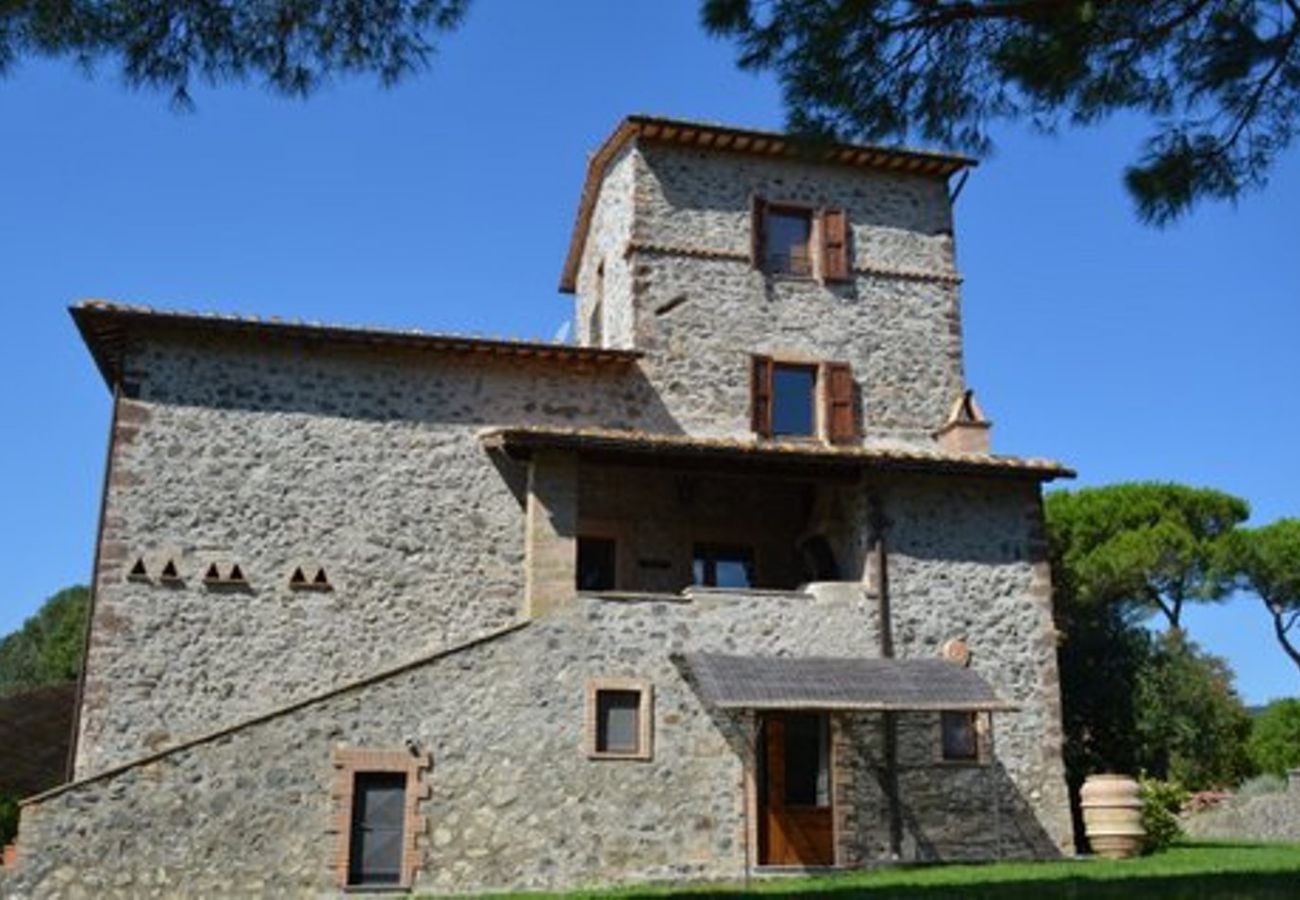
pixel 105 327
pixel 629 445
pixel 729 139
pixel 849 683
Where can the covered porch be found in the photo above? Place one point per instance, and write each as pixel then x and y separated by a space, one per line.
pixel 807 720
pixel 635 512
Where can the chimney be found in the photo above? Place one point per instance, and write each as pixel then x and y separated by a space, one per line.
pixel 966 431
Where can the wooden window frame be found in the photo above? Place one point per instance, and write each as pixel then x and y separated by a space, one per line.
pixel 645 718
pixel 348 762
pixel 830 239
pixel 835 414
pixel 981 722
pixel 802 210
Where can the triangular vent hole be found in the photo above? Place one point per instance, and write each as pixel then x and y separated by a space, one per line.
pixel 212 574
pixel 321 579
pixel 138 570
pixel 297 578
pixel 169 572
pixel 236 574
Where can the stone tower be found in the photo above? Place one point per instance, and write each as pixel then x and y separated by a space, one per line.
pixel 705 247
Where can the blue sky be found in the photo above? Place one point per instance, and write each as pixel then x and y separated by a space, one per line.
pixel 446 204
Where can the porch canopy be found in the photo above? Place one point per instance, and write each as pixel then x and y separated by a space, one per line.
pixel 840 683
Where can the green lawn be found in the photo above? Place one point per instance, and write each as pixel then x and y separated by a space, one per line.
pixel 1201 871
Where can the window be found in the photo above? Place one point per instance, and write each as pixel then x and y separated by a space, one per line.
pixel 784 237
pixel 378 823
pixel 618 718
pixel 960 736
pixel 596 320
pixel 596 564
pixel 788 249
pixel 794 397
pixel 722 566
pixel 376 798
pixel 784 400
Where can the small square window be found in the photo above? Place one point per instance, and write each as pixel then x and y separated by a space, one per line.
pixel 723 566
pixel 597 559
pixel 789 241
pixel 618 719
pixel 960 736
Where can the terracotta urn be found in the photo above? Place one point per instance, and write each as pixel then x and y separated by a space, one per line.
pixel 1112 815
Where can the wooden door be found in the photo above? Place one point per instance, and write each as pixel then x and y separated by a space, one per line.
pixel 795 822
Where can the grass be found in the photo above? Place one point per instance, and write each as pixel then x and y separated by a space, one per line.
pixel 1190 871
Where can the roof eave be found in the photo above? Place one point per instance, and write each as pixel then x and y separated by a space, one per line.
pixel 521 442
pixel 105 326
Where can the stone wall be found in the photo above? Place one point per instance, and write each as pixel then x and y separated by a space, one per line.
pixel 275 455
pixel 700 309
pixel 1263 817
pixel 515 801
pixel 967 559
pixel 605 271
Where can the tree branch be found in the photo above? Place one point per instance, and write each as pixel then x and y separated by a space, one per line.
pixel 1281 630
pixel 966 11
pixel 1171 613
pixel 1252 104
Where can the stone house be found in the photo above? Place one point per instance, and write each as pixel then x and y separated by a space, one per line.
pixel 733 584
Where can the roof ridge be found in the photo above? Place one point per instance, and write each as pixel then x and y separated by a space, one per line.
pixel 357 684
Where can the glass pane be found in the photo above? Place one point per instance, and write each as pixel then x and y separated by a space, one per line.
pixel 788 234
pixel 726 567
pixel 618 720
pixel 732 573
pixel 595 564
pixel 807 763
pixel 792 400
pixel 959 737
pixel 378 821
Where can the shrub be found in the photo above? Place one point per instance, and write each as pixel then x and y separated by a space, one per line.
pixel 1161 801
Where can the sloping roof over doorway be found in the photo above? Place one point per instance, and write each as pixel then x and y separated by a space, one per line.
pixel 839 683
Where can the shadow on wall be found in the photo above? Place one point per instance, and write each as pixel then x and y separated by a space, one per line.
pixel 978 813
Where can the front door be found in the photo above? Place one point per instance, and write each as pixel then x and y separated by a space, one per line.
pixel 794 791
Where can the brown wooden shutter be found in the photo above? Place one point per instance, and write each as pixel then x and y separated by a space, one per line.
pixel 835 245
pixel 760 396
pixel 758 233
pixel 841 424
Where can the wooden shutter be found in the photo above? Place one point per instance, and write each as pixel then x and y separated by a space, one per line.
pixel 758 233
pixel 835 245
pixel 841 424
pixel 760 396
